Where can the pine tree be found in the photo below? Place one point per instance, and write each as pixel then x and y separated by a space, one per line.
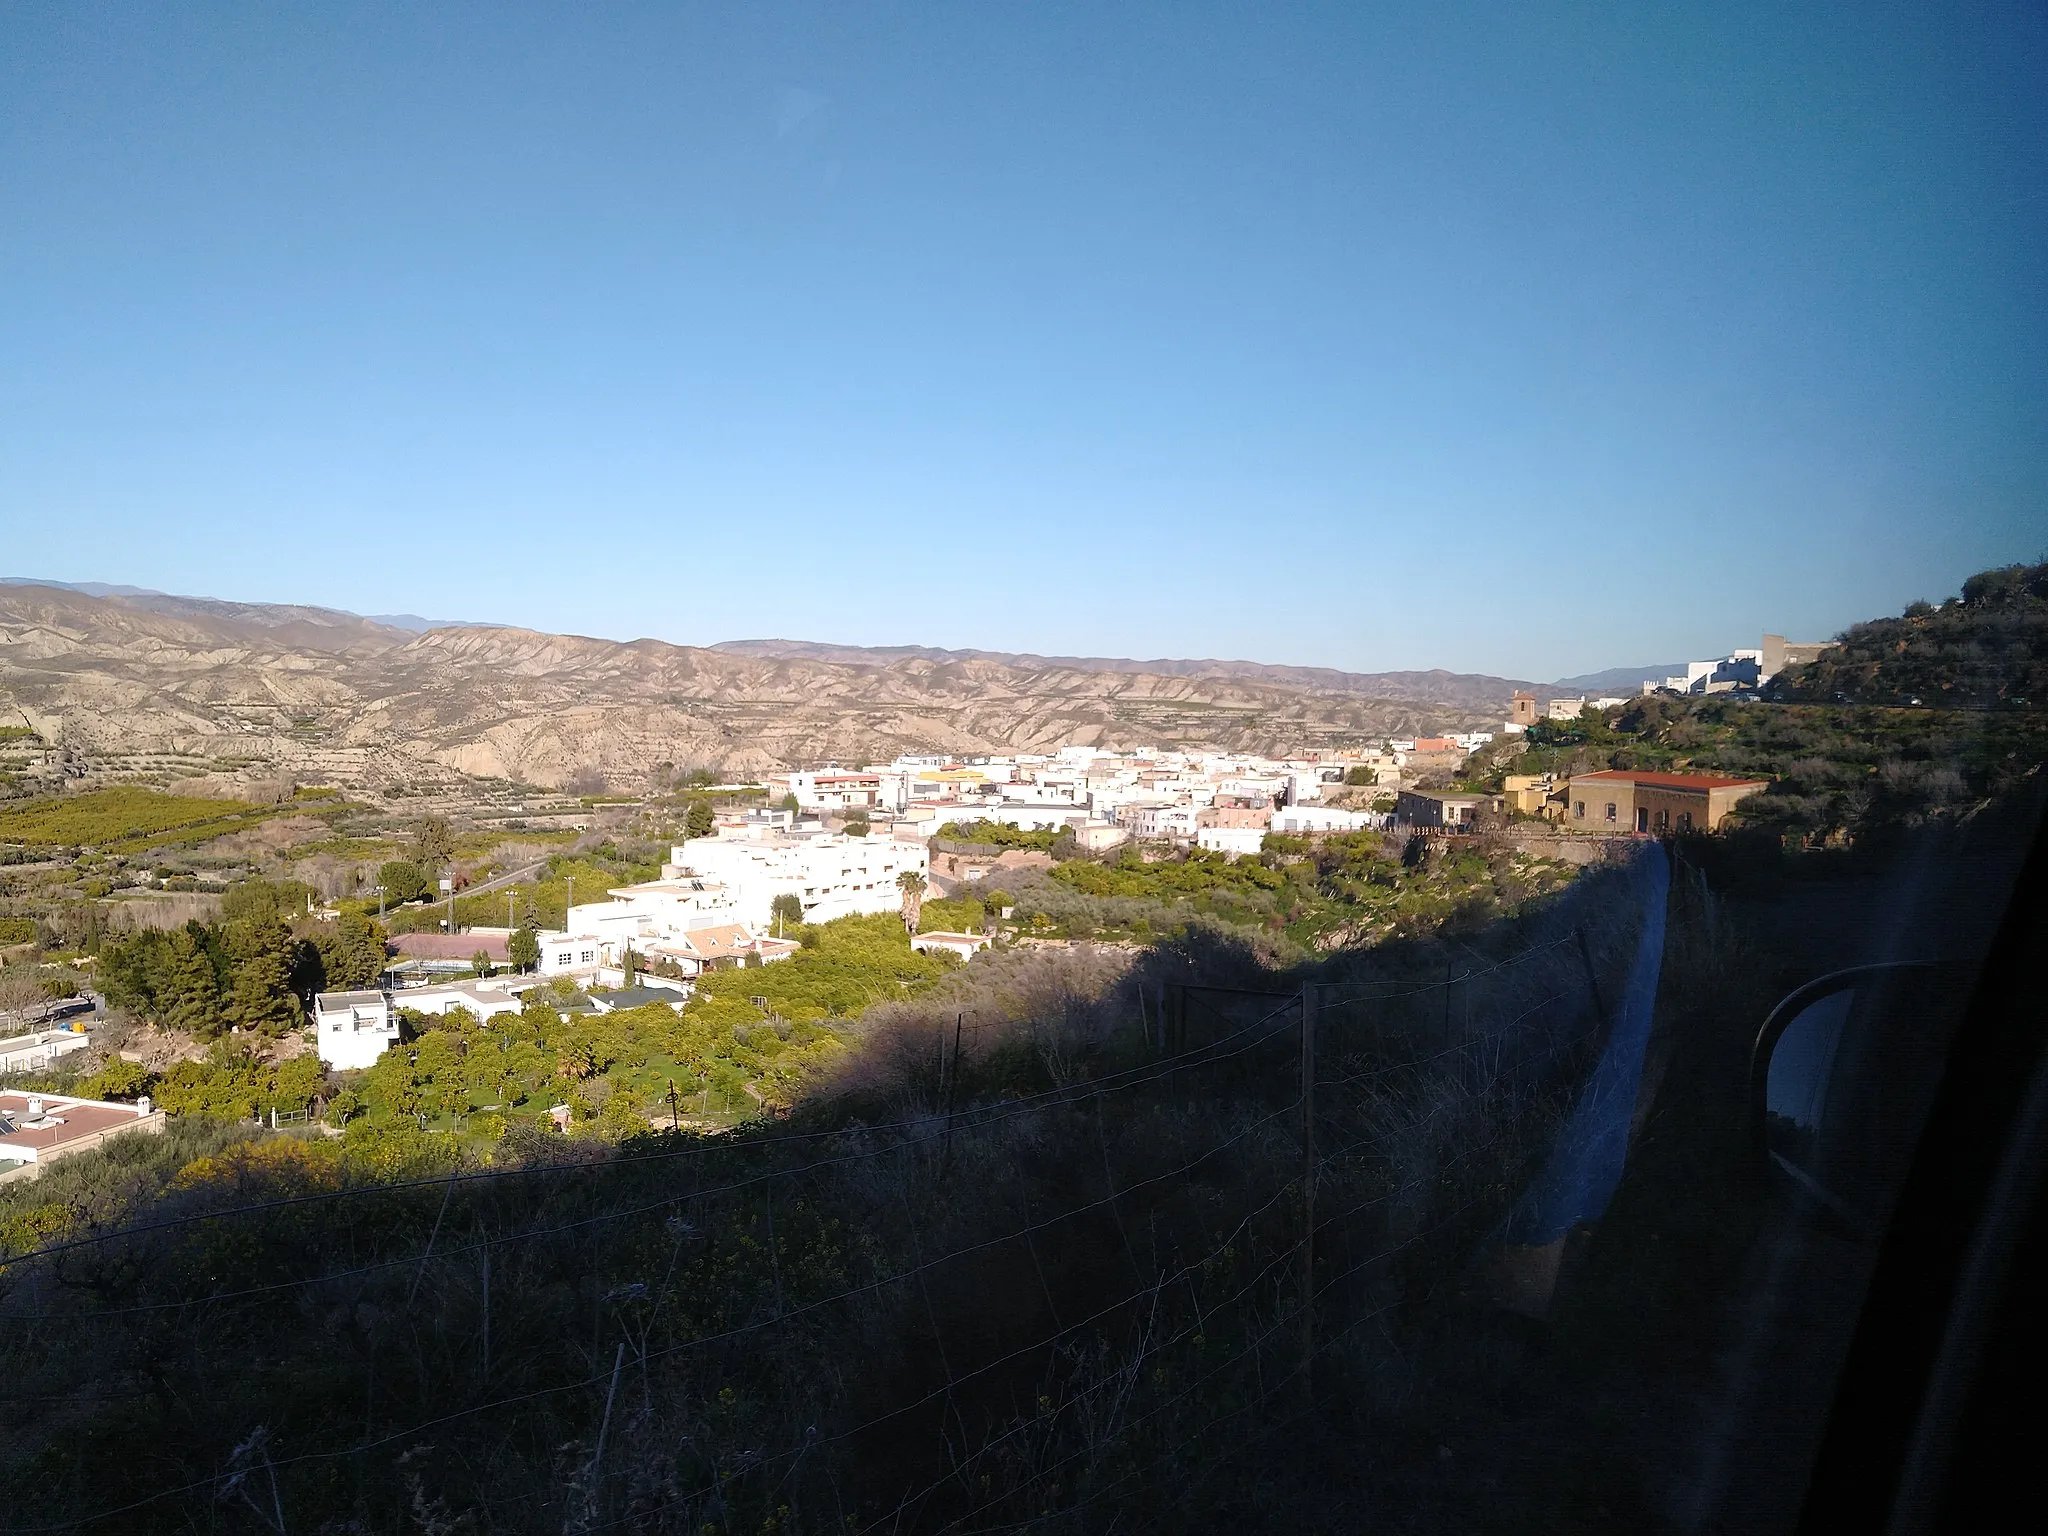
pixel 192 990
pixel 260 997
pixel 358 957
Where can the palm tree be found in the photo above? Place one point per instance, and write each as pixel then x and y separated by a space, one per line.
pixel 911 884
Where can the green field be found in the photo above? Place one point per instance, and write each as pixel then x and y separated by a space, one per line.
pixel 101 818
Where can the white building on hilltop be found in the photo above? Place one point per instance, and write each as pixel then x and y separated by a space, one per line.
pixel 831 875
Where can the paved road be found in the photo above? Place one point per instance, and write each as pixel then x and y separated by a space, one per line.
pixel 502 881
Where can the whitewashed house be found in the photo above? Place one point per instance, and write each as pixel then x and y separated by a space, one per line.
pixel 353 1028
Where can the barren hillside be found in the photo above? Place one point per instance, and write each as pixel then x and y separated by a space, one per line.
pixel 191 685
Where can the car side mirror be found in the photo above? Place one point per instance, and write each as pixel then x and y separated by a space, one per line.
pixel 1841 1077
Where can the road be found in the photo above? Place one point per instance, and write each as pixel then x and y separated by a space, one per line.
pixel 502 881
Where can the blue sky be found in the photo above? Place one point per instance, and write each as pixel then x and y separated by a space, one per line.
pixel 1353 335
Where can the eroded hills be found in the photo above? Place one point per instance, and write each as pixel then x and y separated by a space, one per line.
pixel 196 686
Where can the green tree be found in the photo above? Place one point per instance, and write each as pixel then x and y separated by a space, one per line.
pixel 523 949
pixel 787 910
pixel 624 1114
pixel 260 997
pixel 118 1079
pixel 698 820
pixel 856 825
pixel 265 899
pixel 403 881
pixel 355 957
pixel 307 976
pixel 433 844
pixel 790 803
pixel 191 989
pixel 136 972
pixel 480 962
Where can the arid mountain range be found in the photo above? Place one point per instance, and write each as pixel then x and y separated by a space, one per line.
pixel 192 686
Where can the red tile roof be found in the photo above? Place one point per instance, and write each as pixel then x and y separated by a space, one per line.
pixel 720 943
pixel 1668 780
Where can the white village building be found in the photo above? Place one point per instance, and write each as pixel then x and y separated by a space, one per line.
pixel 352 1029
pixel 1298 819
pixel 831 874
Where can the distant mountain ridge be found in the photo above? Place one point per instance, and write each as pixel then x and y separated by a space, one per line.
pixel 1434 684
pixel 1630 679
pixel 167 602
pixel 177 687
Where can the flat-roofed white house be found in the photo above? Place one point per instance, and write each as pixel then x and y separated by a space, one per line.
pixel 831 789
pixel 352 1029
pixel 40 1049
pixel 964 945
pixel 484 999
pixel 1236 840
pixel 1325 818
pixel 571 954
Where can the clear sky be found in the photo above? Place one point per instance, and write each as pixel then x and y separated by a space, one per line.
pixel 1520 339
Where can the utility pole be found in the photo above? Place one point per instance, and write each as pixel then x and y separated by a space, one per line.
pixel 675 1113
pixel 1309 1003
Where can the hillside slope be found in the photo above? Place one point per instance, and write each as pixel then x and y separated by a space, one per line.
pixel 177 684
pixel 1987 649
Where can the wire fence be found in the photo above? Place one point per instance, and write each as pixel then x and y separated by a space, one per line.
pixel 992 1315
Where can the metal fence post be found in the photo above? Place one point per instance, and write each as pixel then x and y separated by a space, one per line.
pixel 1309 1004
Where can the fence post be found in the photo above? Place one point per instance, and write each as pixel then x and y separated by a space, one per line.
pixel 952 1085
pixel 487 1309
pixel 1309 1003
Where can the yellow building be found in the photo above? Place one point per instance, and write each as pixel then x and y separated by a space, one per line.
pixel 1622 800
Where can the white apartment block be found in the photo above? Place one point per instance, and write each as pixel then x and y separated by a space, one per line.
pixel 831 874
